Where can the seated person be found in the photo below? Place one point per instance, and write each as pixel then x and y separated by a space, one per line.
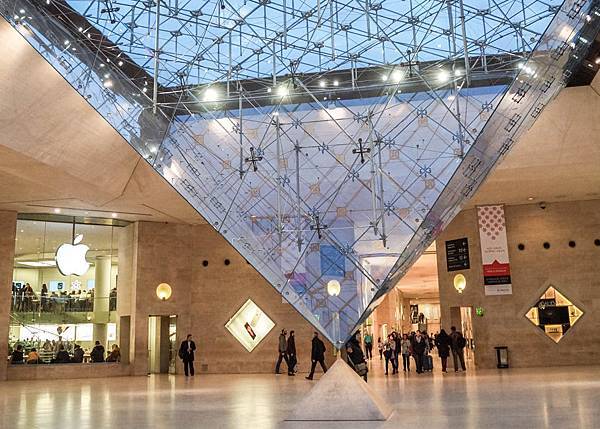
pixel 17 355
pixel 115 354
pixel 33 357
pixel 77 354
pixel 62 356
pixel 97 353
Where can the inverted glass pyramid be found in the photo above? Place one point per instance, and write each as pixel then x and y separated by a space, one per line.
pixel 329 142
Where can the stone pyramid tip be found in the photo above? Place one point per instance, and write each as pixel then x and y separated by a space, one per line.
pixel 341 395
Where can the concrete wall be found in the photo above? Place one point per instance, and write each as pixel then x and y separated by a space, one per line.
pixel 575 272
pixel 8 228
pixel 204 298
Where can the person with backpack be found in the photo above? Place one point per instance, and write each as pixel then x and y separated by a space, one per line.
pixel 317 355
pixel 443 342
pixel 458 344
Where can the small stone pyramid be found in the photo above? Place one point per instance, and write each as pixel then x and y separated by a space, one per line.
pixel 341 395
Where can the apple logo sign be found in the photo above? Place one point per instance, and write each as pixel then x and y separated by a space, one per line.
pixel 70 258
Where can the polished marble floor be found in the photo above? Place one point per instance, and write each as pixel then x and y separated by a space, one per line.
pixel 527 398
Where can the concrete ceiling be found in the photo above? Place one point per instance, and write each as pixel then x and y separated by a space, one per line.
pixel 57 152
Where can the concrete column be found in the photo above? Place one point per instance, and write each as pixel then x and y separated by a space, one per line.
pixel 8 228
pixel 101 295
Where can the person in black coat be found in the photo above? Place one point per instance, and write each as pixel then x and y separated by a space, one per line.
pixel 186 353
pixel 77 354
pixel 291 352
pixel 443 342
pixel 317 355
pixel 419 345
pixel 62 356
pixel 356 357
pixel 16 357
pixel 97 353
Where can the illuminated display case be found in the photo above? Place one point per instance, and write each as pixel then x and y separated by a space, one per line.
pixel 249 325
pixel 554 314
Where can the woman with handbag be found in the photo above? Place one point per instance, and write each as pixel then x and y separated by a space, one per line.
pixel 356 357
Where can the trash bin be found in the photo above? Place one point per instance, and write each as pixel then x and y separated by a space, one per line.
pixel 502 356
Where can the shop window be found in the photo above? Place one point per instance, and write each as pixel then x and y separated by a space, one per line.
pixel 249 325
pixel 554 314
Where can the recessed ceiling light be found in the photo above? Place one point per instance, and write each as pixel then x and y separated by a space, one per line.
pixel 530 198
pixel 56 210
pixel 114 215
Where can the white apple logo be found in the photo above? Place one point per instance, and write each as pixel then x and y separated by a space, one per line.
pixel 70 258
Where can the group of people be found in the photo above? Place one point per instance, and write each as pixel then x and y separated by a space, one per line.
pixel 61 352
pixel 287 352
pixel 25 299
pixel 419 346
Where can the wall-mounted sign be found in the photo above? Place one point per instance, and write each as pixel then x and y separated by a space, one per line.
pixel 494 250
pixel 249 325
pixel 457 254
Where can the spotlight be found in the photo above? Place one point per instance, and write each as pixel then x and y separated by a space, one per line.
pixel 283 91
pixel 335 83
pixel 114 215
pixel 269 90
pixel 210 95
pixel 57 210
pixel 108 84
pixel 120 63
pixel 443 76
pixel 398 75
pixel 322 84
pixel 384 78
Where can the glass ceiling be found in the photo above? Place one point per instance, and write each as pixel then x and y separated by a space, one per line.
pixel 202 42
pixel 311 179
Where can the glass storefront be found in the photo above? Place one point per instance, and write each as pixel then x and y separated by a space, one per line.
pixel 64 289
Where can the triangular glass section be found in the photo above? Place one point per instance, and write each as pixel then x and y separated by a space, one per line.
pixel 329 142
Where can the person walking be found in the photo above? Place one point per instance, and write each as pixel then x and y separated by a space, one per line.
pixel 291 353
pixel 458 344
pixel 390 354
pixel 443 342
pixel 419 346
pixel 317 354
pixel 356 357
pixel 186 354
pixel 369 345
pixel 282 349
pixel 405 349
pixel 380 348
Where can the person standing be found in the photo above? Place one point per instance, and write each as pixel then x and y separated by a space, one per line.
pixel 369 345
pixel 405 347
pixel 186 353
pixel 291 353
pixel 458 344
pixel 442 342
pixel 317 355
pixel 282 348
pixel 419 346
pixel 380 348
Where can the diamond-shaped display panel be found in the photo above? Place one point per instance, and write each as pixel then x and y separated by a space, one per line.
pixel 249 325
pixel 554 314
pixel 325 140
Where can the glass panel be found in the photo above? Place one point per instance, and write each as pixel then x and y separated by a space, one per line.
pixel 326 141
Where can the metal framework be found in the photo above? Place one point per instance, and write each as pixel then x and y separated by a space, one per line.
pixel 325 140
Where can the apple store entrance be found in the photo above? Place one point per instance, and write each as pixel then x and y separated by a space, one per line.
pixel 64 288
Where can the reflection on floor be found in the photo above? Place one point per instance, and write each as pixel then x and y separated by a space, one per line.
pixel 528 398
